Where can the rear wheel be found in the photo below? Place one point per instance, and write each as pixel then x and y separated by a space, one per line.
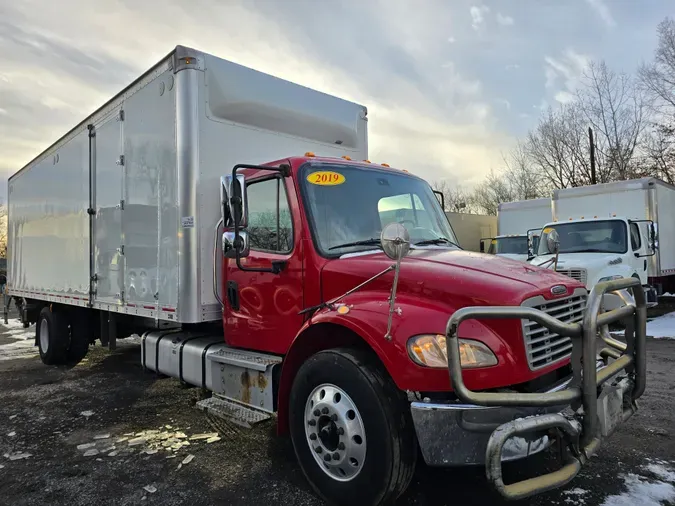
pixel 52 337
pixel 351 429
pixel 80 336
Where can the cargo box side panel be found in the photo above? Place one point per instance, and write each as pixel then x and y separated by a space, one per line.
pixel 249 117
pixel 665 202
pixel 149 216
pixel 48 225
pixel 629 203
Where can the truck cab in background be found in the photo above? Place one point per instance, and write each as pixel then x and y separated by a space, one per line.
pixel 515 247
pixel 601 249
pixel 518 225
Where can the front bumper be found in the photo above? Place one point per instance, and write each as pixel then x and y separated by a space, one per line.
pixel 457 434
pixel 599 401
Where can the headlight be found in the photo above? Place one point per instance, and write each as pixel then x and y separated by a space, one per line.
pixel 430 351
pixel 610 278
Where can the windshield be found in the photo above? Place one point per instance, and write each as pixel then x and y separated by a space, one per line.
pixel 508 246
pixel 348 204
pixel 606 236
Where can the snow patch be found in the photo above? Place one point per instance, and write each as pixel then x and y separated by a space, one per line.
pixel 647 491
pixel 662 327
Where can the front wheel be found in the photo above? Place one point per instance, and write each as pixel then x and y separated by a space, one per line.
pixel 351 429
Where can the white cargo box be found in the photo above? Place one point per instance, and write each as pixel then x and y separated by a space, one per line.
pixel 636 199
pixel 516 218
pixel 120 213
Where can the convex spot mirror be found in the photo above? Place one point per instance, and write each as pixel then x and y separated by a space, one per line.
pixel 395 241
pixel 232 245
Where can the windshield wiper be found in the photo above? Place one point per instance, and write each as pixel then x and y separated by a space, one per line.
pixel 364 242
pixel 438 240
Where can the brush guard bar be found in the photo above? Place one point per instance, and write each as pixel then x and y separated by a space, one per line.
pixel 588 394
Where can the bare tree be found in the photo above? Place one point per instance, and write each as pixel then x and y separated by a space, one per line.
pixel 525 180
pixel 558 148
pixel 456 198
pixel 658 77
pixel 3 231
pixel 495 189
pixel 615 107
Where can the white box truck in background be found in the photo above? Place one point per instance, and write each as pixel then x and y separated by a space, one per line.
pixel 514 221
pixel 613 230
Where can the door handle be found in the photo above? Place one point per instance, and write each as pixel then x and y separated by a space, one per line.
pixel 233 295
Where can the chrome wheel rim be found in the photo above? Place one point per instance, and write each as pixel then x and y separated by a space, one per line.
pixel 44 336
pixel 335 432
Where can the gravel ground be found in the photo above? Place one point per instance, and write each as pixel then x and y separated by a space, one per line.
pixel 50 419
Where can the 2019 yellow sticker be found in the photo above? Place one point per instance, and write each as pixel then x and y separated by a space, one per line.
pixel 548 230
pixel 326 178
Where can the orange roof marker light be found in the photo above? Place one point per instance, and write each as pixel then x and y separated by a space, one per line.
pixel 309 154
pixel 385 165
pixel 346 157
pixel 366 161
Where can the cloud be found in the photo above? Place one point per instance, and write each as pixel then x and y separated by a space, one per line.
pixel 504 102
pixel 504 20
pixel 602 9
pixel 432 119
pixel 478 15
pixel 566 70
pixel 512 66
pixel 451 40
pixel 564 97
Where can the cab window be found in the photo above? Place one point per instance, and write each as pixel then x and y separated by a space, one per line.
pixel 635 239
pixel 270 225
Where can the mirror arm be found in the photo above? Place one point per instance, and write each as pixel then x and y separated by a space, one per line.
pixel 285 170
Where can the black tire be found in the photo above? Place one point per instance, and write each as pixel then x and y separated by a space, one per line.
pixel 391 451
pixel 80 336
pixel 53 349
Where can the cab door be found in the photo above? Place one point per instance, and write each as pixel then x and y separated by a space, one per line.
pixel 640 249
pixel 261 308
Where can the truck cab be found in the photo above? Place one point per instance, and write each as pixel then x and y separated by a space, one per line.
pixel 365 345
pixel 593 250
pixel 513 246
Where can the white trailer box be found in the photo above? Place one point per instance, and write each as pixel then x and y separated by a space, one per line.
pixel 516 218
pixel 637 199
pixel 119 214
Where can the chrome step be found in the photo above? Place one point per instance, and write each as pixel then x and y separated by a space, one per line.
pixel 246 359
pixel 232 411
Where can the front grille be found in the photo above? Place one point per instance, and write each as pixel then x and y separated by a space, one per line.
pixel 578 274
pixel 542 346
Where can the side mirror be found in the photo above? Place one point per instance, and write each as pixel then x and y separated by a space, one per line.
pixel 395 241
pixel 234 188
pixel 653 236
pixel 242 245
pixel 553 242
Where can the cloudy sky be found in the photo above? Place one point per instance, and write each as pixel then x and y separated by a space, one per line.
pixel 449 84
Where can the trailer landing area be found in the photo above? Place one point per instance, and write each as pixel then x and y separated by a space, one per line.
pixel 106 432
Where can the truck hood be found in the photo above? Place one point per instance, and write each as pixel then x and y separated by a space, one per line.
pixel 457 277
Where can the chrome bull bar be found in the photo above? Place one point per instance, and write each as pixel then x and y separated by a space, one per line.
pixel 583 429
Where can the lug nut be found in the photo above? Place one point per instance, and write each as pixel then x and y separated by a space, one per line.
pixel 327 457
pixel 318 449
pixel 324 411
pixel 312 437
pixel 317 412
pixel 312 423
pixel 336 456
pixel 333 417
pixel 341 446
pixel 340 431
